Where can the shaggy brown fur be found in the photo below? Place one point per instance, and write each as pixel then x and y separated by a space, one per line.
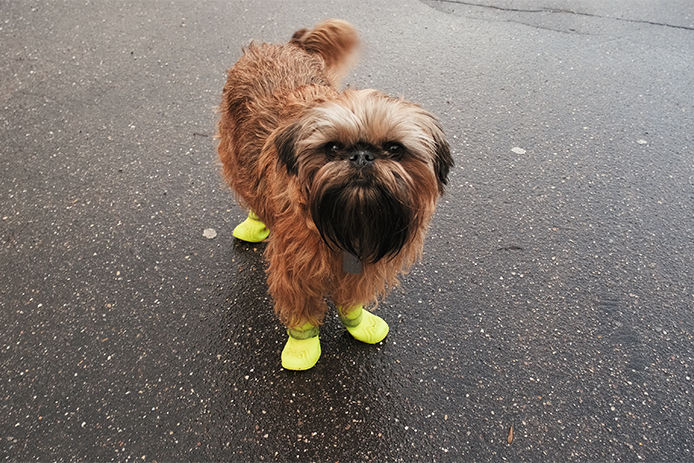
pixel 288 144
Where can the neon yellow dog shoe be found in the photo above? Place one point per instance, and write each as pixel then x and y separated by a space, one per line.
pixel 302 350
pixel 252 229
pixel 363 325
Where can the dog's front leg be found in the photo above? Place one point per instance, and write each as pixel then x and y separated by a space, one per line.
pixel 300 305
pixel 363 325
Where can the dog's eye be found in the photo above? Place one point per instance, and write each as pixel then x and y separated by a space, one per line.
pixel 393 148
pixel 332 147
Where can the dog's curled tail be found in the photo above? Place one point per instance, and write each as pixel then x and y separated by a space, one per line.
pixel 334 40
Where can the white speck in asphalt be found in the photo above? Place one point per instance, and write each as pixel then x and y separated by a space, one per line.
pixel 518 150
pixel 209 233
pixel 641 141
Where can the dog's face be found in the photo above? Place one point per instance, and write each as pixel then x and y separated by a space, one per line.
pixel 371 168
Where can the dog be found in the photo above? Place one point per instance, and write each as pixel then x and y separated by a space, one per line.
pixel 341 184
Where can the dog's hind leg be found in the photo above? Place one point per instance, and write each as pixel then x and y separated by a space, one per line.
pixel 252 230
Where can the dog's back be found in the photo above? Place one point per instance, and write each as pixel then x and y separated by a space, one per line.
pixel 323 57
pixel 267 84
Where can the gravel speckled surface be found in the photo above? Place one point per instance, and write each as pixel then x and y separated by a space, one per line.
pixel 556 292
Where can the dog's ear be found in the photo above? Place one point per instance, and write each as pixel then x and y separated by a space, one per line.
pixel 285 143
pixel 443 161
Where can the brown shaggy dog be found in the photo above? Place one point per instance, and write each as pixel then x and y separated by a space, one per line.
pixel 337 176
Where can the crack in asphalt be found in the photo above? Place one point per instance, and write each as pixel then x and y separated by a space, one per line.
pixel 564 11
pixel 543 28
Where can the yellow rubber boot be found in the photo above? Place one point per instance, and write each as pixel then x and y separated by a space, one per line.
pixel 302 350
pixel 363 325
pixel 252 229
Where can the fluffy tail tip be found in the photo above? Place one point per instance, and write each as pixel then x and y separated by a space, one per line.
pixel 335 40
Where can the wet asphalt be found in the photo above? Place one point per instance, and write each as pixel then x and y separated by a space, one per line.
pixel 556 293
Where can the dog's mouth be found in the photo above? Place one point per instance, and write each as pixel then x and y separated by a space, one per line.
pixel 362 216
pixel 362 178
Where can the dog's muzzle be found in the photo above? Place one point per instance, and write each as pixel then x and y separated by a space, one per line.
pixel 361 158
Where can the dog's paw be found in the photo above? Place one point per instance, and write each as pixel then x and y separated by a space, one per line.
pixel 251 230
pixel 372 329
pixel 301 354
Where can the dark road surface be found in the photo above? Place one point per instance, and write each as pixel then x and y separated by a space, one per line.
pixel 556 293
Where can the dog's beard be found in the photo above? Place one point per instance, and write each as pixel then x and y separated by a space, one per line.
pixel 369 212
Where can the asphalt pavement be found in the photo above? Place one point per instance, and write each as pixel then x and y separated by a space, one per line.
pixel 551 318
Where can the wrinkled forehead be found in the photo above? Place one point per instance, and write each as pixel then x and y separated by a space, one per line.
pixel 369 116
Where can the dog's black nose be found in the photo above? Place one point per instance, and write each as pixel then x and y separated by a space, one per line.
pixel 361 158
